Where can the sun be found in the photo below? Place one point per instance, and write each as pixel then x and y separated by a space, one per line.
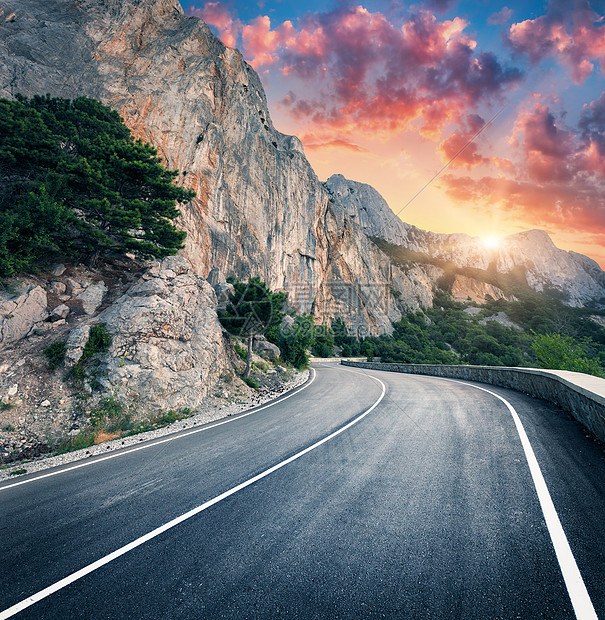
pixel 491 242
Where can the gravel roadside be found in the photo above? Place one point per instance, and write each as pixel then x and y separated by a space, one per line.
pixel 214 410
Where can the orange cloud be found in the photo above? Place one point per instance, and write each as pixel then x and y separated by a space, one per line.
pixel 559 178
pixel 315 141
pixel 460 149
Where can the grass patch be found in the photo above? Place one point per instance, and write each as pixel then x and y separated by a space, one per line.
pixel 6 406
pixel 9 428
pixel 17 472
pixel 251 383
pixel 164 419
pixel 83 440
pixel 113 420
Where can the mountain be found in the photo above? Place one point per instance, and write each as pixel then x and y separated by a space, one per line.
pixel 260 210
pixel 576 278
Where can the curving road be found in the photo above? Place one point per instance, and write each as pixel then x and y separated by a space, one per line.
pixel 364 494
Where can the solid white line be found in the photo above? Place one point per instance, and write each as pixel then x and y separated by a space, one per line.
pixel 31 600
pixel 161 441
pixel 576 588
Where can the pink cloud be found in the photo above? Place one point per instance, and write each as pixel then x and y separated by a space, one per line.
pixel 558 179
pixel 460 149
pixel 501 17
pixel 549 151
pixel 576 38
pixel 368 74
pixel 320 141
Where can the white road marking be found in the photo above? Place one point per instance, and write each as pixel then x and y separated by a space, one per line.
pixel 161 441
pixel 38 596
pixel 576 588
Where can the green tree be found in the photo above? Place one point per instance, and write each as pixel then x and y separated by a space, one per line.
pixel 561 352
pixel 253 309
pixel 296 340
pixel 323 345
pixel 76 183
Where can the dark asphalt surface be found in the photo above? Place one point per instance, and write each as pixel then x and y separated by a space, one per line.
pixel 424 509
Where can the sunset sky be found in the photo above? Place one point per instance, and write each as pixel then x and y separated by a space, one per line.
pixel 387 93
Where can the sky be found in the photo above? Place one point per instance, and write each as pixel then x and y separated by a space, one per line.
pixel 475 117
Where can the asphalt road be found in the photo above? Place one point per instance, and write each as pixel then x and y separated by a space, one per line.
pixel 423 507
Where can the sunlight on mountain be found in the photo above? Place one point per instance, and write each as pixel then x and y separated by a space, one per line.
pixel 491 242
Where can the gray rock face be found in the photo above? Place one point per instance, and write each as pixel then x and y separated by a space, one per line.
pixel 215 277
pixel 20 315
pixel 578 277
pixel 167 344
pixel 260 209
pixel 373 214
pixel 464 288
pixel 76 341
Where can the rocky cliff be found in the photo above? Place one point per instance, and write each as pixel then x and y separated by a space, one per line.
pixel 578 278
pixel 260 208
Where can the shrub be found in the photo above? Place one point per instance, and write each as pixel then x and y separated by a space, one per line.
pixel 241 352
pixel 564 353
pixel 296 340
pixel 98 341
pixel 55 353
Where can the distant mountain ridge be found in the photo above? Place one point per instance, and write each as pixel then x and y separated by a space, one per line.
pixel 578 278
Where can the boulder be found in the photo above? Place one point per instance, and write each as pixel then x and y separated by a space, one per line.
pixel 57 288
pixel 19 316
pixel 76 341
pixel 167 344
pixel 223 291
pixel 92 296
pixel 60 312
pixel 265 348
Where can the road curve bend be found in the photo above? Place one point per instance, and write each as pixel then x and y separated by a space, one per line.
pixel 365 494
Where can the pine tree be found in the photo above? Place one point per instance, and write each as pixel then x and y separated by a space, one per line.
pixel 74 182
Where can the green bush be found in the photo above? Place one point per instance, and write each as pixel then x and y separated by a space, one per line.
pixel 296 340
pixel 560 352
pixel 99 341
pixel 55 353
pixel 250 382
pixel 243 353
pixel 323 345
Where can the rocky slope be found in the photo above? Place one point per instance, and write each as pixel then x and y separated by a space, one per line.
pixel 260 208
pixel 579 278
pixel 167 353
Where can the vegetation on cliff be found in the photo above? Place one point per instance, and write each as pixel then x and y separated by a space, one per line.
pixel 255 310
pixel 550 335
pixel 75 183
